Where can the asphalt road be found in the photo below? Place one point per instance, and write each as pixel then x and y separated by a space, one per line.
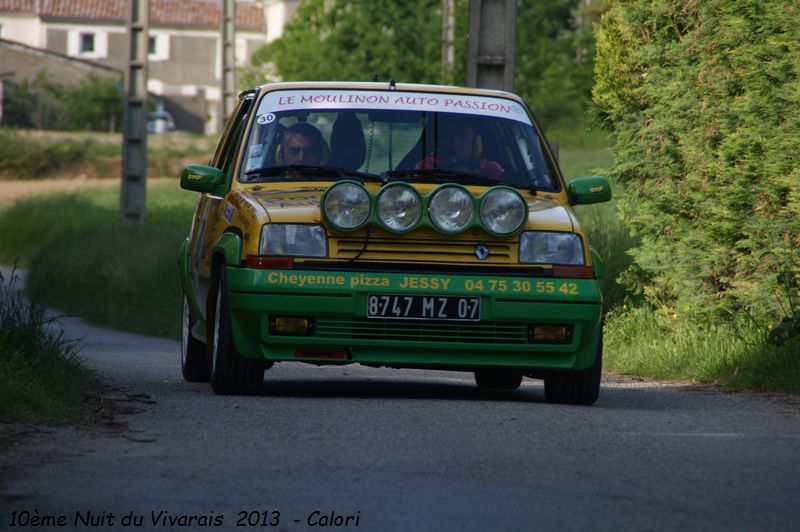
pixel 405 450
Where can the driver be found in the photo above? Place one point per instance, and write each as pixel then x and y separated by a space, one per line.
pixel 459 150
pixel 303 144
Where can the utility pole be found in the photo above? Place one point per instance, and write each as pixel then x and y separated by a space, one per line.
pixel 227 31
pixel 134 126
pixel 448 37
pixel 492 44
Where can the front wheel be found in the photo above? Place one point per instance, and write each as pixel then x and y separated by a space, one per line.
pixel 194 362
pixel 575 387
pixel 231 373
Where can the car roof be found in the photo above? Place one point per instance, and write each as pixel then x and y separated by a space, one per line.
pixel 365 85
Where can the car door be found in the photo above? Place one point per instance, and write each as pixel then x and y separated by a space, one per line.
pixel 209 223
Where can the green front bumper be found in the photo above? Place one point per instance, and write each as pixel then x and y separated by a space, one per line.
pixel 337 302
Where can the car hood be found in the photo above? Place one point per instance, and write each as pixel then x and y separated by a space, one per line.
pixel 299 204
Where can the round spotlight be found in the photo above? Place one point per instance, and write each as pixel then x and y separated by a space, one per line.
pixel 503 211
pixel 346 206
pixel 399 208
pixel 451 209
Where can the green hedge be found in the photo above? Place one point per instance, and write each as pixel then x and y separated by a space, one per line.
pixel 44 103
pixel 704 102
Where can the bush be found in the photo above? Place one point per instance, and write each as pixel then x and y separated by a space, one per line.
pixel 94 104
pixel 703 101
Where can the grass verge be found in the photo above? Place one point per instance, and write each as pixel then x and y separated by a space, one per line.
pixel 82 261
pixel 661 344
pixel 41 380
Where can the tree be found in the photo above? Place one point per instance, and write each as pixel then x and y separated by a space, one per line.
pixel 703 101
pixel 349 40
pixel 355 40
pixel 555 55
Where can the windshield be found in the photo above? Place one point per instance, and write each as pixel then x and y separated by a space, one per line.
pixel 328 134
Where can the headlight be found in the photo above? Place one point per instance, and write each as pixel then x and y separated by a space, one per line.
pixel 399 207
pixel 346 206
pixel 296 240
pixel 550 248
pixel 503 211
pixel 450 209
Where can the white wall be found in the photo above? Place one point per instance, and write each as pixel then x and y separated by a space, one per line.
pixel 275 13
pixel 24 28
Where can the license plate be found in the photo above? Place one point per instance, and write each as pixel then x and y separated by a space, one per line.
pixel 414 307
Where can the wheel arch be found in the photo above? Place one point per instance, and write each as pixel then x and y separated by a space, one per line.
pixel 227 249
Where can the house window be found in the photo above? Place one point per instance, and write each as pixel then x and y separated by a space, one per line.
pixel 158 47
pixel 87 43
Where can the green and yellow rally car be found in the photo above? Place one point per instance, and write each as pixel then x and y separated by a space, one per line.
pixel 398 225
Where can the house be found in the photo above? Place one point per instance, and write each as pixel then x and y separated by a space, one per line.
pixel 184 61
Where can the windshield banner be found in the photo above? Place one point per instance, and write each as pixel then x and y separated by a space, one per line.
pixel 318 99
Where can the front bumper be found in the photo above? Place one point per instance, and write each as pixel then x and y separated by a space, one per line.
pixel 337 302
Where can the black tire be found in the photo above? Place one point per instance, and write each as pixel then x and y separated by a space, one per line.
pixel 498 378
pixel 231 373
pixel 194 358
pixel 575 387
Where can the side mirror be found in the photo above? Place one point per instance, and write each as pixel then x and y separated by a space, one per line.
pixel 588 190
pixel 201 178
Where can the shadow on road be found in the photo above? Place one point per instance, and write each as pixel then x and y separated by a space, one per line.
pixel 612 397
pixel 359 388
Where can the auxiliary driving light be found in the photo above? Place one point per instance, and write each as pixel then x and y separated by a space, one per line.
pixel 346 205
pixel 503 211
pixel 450 209
pixel 399 207
pixel 550 334
pixel 290 325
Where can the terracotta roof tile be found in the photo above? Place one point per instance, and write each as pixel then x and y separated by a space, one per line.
pixel 182 13
pixel 203 13
pixel 17 5
pixel 84 9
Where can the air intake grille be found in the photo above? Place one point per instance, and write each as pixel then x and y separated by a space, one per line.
pixel 459 250
pixel 421 331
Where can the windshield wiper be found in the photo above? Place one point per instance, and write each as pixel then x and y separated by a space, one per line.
pixel 438 175
pixel 312 172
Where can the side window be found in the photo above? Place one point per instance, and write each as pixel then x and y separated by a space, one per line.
pixel 224 137
pixel 229 145
pixel 224 144
pixel 228 156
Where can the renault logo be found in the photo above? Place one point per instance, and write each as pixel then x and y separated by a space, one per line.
pixel 481 251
